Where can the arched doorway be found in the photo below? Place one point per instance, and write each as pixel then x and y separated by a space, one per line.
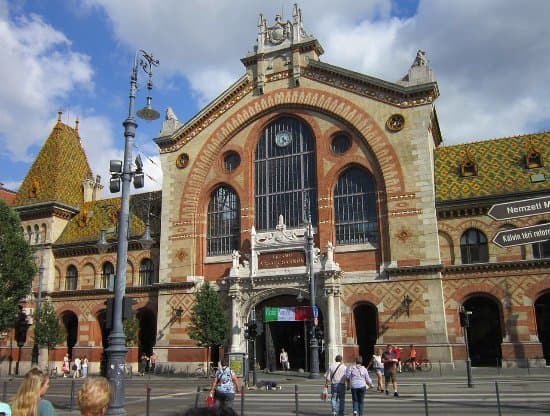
pixel 147 331
pixel 542 313
pixel 70 322
pixel 485 331
pixel 366 329
pixel 101 320
pixel 293 336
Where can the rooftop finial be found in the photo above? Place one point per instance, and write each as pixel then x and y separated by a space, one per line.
pixel 59 112
pixel 76 124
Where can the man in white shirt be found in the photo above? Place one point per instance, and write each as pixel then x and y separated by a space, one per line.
pixel 336 378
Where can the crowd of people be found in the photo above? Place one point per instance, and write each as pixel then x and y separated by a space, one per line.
pixel 79 366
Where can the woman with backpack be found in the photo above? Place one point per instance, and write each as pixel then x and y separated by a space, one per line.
pixel 224 385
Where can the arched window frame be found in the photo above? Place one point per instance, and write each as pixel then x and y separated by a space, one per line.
pixel 107 270
pixel 285 174
pixel 474 247
pixel 71 278
pixel 223 222
pixel 355 207
pixel 541 250
pixel 146 272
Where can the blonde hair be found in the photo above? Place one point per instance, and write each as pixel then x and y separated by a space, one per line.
pixel 94 396
pixel 25 402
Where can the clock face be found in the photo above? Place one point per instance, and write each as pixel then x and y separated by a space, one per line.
pixel 283 138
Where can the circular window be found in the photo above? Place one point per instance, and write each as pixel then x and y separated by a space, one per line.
pixel 340 144
pixel 231 161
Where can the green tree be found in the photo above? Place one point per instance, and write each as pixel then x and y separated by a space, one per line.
pixel 48 330
pixel 131 331
pixel 17 267
pixel 209 325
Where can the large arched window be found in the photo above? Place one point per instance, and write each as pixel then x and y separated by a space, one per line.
pixel 107 274
pixel 284 174
pixel 146 272
pixel 473 247
pixel 224 226
pixel 356 219
pixel 71 279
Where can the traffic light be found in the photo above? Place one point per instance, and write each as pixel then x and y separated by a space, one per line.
pixel 127 311
pixel 253 329
pixel 109 313
pixel 246 331
pixel 464 317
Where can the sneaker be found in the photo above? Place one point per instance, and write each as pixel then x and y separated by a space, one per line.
pixel 333 413
pixel 355 413
pixel 387 392
pixel 395 394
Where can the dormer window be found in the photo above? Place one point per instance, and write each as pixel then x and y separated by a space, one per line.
pixel 468 167
pixel 533 159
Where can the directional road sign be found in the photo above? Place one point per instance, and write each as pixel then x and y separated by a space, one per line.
pixel 524 235
pixel 522 208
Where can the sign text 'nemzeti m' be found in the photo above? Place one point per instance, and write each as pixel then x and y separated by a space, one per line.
pixel 518 209
pixel 525 235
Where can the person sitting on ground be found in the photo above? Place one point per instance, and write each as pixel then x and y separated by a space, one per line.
pixel 94 396
pixel 28 399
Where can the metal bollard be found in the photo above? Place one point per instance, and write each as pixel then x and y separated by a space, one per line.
pixel 148 400
pixel 296 399
pixel 5 392
pixel 440 369
pixel 498 399
pixel 73 386
pixel 197 396
pixel 242 399
pixel 425 399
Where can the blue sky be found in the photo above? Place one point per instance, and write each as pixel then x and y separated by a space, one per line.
pixel 490 59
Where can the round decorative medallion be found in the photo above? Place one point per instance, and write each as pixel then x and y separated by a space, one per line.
pixel 396 122
pixel 182 161
pixel 283 138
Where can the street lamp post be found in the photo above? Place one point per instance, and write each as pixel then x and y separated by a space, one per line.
pixel 313 343
pixel 465 323
pixel 116 351
pixel 35 348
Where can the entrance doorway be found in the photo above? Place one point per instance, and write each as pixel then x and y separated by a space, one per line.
pixel 147 331
pixel 70 322
pixel 485 331
pixel 293 336
pixel 542 313
pixel 366 328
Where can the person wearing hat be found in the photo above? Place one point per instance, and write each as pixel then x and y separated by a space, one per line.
pixel 335 377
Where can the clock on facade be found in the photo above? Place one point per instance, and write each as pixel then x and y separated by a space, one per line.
pixel 283 138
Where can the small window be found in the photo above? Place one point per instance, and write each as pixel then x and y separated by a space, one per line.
pixel 146 272
pixel 231 161
pixel 473 247
pixel 72 278
pixel 108 273
pixel 340 144
pixel 541 250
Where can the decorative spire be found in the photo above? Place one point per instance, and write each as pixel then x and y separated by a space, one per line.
pixel 76 125
pixel 59 113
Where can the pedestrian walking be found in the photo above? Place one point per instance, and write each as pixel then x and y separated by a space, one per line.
pixel 390 369
pixel 397 352
pixel 77 367
pixel 84 366
pixel 335 377
pixel 412 358
pixel 143 362
pixel 224 386
pixel 358 379
pixel 153 361
pixel 66 367
pixel 94 396
pixel 378 367
pixel 283 359
pixel 28 399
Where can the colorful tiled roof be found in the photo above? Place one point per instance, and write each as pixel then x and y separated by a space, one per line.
pixel 500 167
pixel 103 214
pixel 58 171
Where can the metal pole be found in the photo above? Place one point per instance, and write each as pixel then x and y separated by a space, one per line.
pixel 468 360
pixel 313 344
pixel 296 400
pixel 35 350
pixel 425 398
pixel 498 399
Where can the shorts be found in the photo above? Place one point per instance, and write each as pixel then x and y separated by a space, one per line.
pixel 389 375
pixel 379 371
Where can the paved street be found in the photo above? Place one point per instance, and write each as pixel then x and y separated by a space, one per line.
pixel 521 393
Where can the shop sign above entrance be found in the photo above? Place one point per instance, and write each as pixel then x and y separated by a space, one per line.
pixel 522 208
pixel 524 235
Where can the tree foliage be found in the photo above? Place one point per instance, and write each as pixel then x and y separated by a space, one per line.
pixel 209 325
pixel 48 330
pixel 131 331
pixel 17 267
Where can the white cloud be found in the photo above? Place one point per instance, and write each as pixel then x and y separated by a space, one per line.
pixel 38 70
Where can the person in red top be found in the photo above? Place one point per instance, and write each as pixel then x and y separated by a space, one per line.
pixel 397 352
pixel 390 368
pixel 412 358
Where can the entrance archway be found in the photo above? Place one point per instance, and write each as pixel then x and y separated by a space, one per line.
pixel 485 331
pixel 542 313
pixel 147 331
pixel 70 322
pixel 293 336
pixel 366 329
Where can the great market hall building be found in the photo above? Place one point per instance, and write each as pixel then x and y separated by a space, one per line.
pixel 402 239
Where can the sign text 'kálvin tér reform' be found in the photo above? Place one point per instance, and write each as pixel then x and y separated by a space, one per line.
pixel 525 235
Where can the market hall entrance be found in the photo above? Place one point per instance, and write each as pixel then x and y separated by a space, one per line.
pixel 293 336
